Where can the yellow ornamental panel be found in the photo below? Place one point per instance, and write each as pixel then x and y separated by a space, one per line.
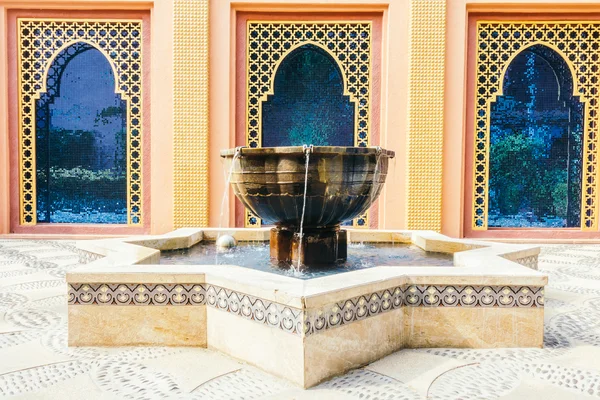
pixel 190 113
pixel 426 114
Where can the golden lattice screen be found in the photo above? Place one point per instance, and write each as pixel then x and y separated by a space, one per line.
pixel 40 40
pixel 498 42
pixel 347 42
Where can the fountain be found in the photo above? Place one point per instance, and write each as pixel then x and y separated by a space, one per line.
pixel 307 192
pixel 311 326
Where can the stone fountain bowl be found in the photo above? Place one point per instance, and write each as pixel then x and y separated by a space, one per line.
pixel 343 182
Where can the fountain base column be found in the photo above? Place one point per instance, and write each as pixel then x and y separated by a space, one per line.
pixel 320 246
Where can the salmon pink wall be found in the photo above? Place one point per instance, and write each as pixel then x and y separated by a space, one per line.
pixel 393 98
pixel 240 75
pixel 458 108
pixel 157 92
pixel 227 76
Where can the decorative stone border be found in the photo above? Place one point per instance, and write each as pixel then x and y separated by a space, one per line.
pixel 529 262
pixel 143 294
pixel 354 309
pixel 266 312
pixel 474 296
pixel 292 319
pixel 370 305
pixel 269 313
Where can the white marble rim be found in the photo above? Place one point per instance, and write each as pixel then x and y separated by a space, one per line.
pixel 476 263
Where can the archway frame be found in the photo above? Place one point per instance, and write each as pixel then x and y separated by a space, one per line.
pixel 304 33
pixel 48 37
pixel 56 53
pixel 574 93
pixel 502 41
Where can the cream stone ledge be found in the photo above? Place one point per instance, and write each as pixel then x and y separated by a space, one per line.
pixel 477 263
pixel 137 249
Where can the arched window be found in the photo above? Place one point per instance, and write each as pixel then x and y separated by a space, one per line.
pixel 81 136
pixel 309 105
pixel 536 145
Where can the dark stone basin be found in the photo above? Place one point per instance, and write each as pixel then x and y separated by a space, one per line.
pixel 342 184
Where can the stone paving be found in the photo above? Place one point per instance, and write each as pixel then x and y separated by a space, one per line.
pixel 35 362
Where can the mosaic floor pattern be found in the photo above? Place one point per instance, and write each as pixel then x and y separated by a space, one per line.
pixel 35 362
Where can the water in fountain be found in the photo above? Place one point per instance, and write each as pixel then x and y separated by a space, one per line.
pixel 238 152
pixel 256 255
pixel 307 151
pixel 375 175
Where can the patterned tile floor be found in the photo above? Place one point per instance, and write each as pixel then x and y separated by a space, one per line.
pixel 35 362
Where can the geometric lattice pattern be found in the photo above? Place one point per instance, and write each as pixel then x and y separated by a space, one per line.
pixel 497 45
pixel 39 41
pixel 190 113
pixel 268 43
pixel 349 43
pixel 425 114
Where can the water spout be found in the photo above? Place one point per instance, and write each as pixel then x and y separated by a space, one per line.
pixel 375 174
pixel 307 150
pixel 237 154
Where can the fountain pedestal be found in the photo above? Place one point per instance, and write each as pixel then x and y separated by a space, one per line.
pixel 316 187
pixel 320 246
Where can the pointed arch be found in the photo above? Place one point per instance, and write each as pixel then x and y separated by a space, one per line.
pixel 536 47
pixel 122 45
pixel 309 103
pixel 81 140
pixel 316 45
pixel 536 133
pixel 58 59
